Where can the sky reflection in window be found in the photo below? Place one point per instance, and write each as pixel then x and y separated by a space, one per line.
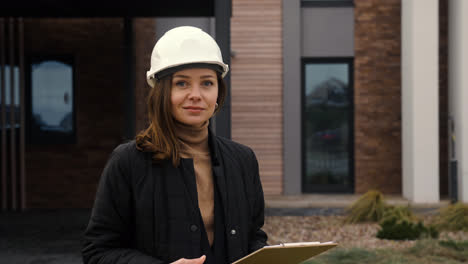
pixel 52 96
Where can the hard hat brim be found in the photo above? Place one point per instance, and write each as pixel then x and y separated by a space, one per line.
pixel 152 77
pixel 217 68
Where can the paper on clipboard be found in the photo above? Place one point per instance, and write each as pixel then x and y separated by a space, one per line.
pixel 286 253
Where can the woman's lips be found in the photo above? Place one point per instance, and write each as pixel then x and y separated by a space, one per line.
pixel 194 109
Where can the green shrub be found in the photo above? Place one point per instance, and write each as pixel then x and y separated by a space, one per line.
pixel 399 223
pixel 453 217
pixel 369 207
pixel 405 230
pixel 399 230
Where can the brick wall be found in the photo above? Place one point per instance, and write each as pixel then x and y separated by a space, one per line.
pixel 377 95
pixel 257 112
pixel 145 38
pixel 66 176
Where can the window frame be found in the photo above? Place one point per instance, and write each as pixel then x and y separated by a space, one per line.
pixel 325 3
pixel 48 138
pixel 328 188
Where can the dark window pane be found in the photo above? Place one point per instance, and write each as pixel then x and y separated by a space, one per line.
pixel 8 105
pixel 52 96
pixel 327 117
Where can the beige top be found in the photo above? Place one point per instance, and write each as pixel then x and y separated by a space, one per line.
pixel 195 145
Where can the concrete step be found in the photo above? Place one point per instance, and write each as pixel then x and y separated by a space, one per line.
pixel 330 204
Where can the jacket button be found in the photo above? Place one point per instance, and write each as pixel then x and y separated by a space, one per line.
pixel 233 232
pixel 193 228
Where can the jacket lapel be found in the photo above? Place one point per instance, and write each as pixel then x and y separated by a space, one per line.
pixel 218 173
pixel 221 181
pixel 189 181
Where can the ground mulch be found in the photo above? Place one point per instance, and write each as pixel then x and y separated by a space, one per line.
pixel 282 229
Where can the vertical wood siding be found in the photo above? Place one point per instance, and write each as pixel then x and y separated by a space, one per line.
pixel 257 85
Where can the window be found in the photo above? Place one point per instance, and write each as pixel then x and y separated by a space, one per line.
pixel 327 3
pixel 51 115
pixel 15 106
pixel 327 125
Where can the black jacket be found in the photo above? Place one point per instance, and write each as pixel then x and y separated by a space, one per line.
pixel 148 213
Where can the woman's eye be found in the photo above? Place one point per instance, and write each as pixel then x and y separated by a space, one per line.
pixel 207 83
pixel 181 83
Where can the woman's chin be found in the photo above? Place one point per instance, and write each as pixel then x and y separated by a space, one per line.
pixel 193 122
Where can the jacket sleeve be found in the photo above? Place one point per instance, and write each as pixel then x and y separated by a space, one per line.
pixel 108 235
pixel 257 236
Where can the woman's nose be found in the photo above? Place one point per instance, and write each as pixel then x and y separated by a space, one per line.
pixel 195 92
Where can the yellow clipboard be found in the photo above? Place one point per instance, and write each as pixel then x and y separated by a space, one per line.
pixel 287 253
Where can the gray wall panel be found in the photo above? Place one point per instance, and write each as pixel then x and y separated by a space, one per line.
pixel 327 32
pixel 307 32
pixel 163 24
pixel 292 96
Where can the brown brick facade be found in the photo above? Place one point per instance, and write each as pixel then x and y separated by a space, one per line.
pixel 145 38
pixel 377 97
pixel 66 176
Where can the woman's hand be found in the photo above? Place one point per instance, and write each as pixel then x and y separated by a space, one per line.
pixel 199 260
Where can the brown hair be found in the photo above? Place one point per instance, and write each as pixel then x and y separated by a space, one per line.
pixel 159 137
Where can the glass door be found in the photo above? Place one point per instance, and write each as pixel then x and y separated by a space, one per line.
pixel 327 119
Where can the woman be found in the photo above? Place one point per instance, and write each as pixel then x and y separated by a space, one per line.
pixel 178 193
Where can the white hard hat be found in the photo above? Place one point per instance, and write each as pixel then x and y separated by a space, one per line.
pixel 183 47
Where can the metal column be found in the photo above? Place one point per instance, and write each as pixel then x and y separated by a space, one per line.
pixel 223 37
pixel 3 114
pixel 11 49
pixel 13 178
pixel 22 144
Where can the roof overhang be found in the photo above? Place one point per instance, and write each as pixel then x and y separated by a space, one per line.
pixel 107 8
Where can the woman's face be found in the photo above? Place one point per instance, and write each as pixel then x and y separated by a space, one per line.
pixel 193 95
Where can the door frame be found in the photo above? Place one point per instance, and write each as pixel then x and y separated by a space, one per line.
pixel 328 188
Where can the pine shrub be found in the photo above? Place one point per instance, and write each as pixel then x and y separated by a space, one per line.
pixel 399 223
pixel 405 230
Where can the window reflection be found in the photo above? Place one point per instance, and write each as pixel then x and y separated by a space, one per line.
pixel 15 107
pixel 327 123
pixel 52 96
